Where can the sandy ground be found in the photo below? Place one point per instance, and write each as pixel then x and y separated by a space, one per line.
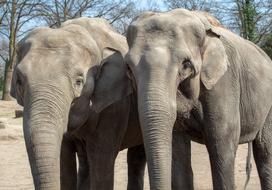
pixel 15 171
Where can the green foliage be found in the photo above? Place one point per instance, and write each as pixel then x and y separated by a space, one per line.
pixel 267 45
pixel 249 19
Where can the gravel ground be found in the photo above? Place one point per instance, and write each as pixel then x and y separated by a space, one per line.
pixel 15 171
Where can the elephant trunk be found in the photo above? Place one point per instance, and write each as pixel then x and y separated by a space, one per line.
pixel 157 112
pixel 45 120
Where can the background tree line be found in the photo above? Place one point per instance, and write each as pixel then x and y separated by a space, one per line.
pixel 251 19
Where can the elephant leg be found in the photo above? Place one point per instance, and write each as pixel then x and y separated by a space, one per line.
pixel 222 159
pixel 182 173
pixel 104 143
pixel 83 168
pixel 222 142
pixel 68 164
pixel 101 158
pixel 262 150
pixel 136 161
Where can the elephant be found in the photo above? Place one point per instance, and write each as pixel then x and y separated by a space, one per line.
pixel 222 81
pixel 55 72
pixel 182 175
pixel 73 84
pixel 114 129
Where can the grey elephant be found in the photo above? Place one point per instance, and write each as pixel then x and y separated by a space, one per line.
pixel 222 81
pixel 57 68
pixel 75 76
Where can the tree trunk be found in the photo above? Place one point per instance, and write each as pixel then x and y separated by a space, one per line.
pixel 12 46
pixel 7 83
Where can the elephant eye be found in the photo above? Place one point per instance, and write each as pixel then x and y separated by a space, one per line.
pixel 79 81
pixel 187 64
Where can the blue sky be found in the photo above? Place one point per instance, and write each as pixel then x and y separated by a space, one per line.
pixel 146 3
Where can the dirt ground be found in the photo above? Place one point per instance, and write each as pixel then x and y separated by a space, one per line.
pixel 15 171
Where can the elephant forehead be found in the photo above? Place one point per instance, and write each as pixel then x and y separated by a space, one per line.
pixel 51 40
pixel 174 24
pixel 56 44
pixel 155 24
pixel 63 38
pixel 54 60
pixel 42 60
pixel 164 21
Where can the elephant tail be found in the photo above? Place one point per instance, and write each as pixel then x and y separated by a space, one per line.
pixel 248 164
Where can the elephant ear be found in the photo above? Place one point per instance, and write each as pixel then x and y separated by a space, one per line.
pixel 214 57
pixel 215 61
pixel 112 83
pixel 16 90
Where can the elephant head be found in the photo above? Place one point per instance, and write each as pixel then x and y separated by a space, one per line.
pixel 59 69
pixel 169 52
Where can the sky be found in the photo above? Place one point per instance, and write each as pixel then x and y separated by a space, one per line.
pixel 147 3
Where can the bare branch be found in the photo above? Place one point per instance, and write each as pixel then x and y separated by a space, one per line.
pixel 3 58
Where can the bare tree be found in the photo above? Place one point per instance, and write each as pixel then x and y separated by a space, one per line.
pixel 121 15
pixel 55 12
pixel 18 14
pixel 190 4
pixel 252 19
pixel 118 12
pixel 263 19
pixel 3 11
pixel 3 54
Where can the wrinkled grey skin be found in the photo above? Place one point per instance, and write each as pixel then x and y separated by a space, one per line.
pixel 56 68
pixel 182 175
pixel 115 128
pixel 58 71
pixel 222 81
pixel 106 133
